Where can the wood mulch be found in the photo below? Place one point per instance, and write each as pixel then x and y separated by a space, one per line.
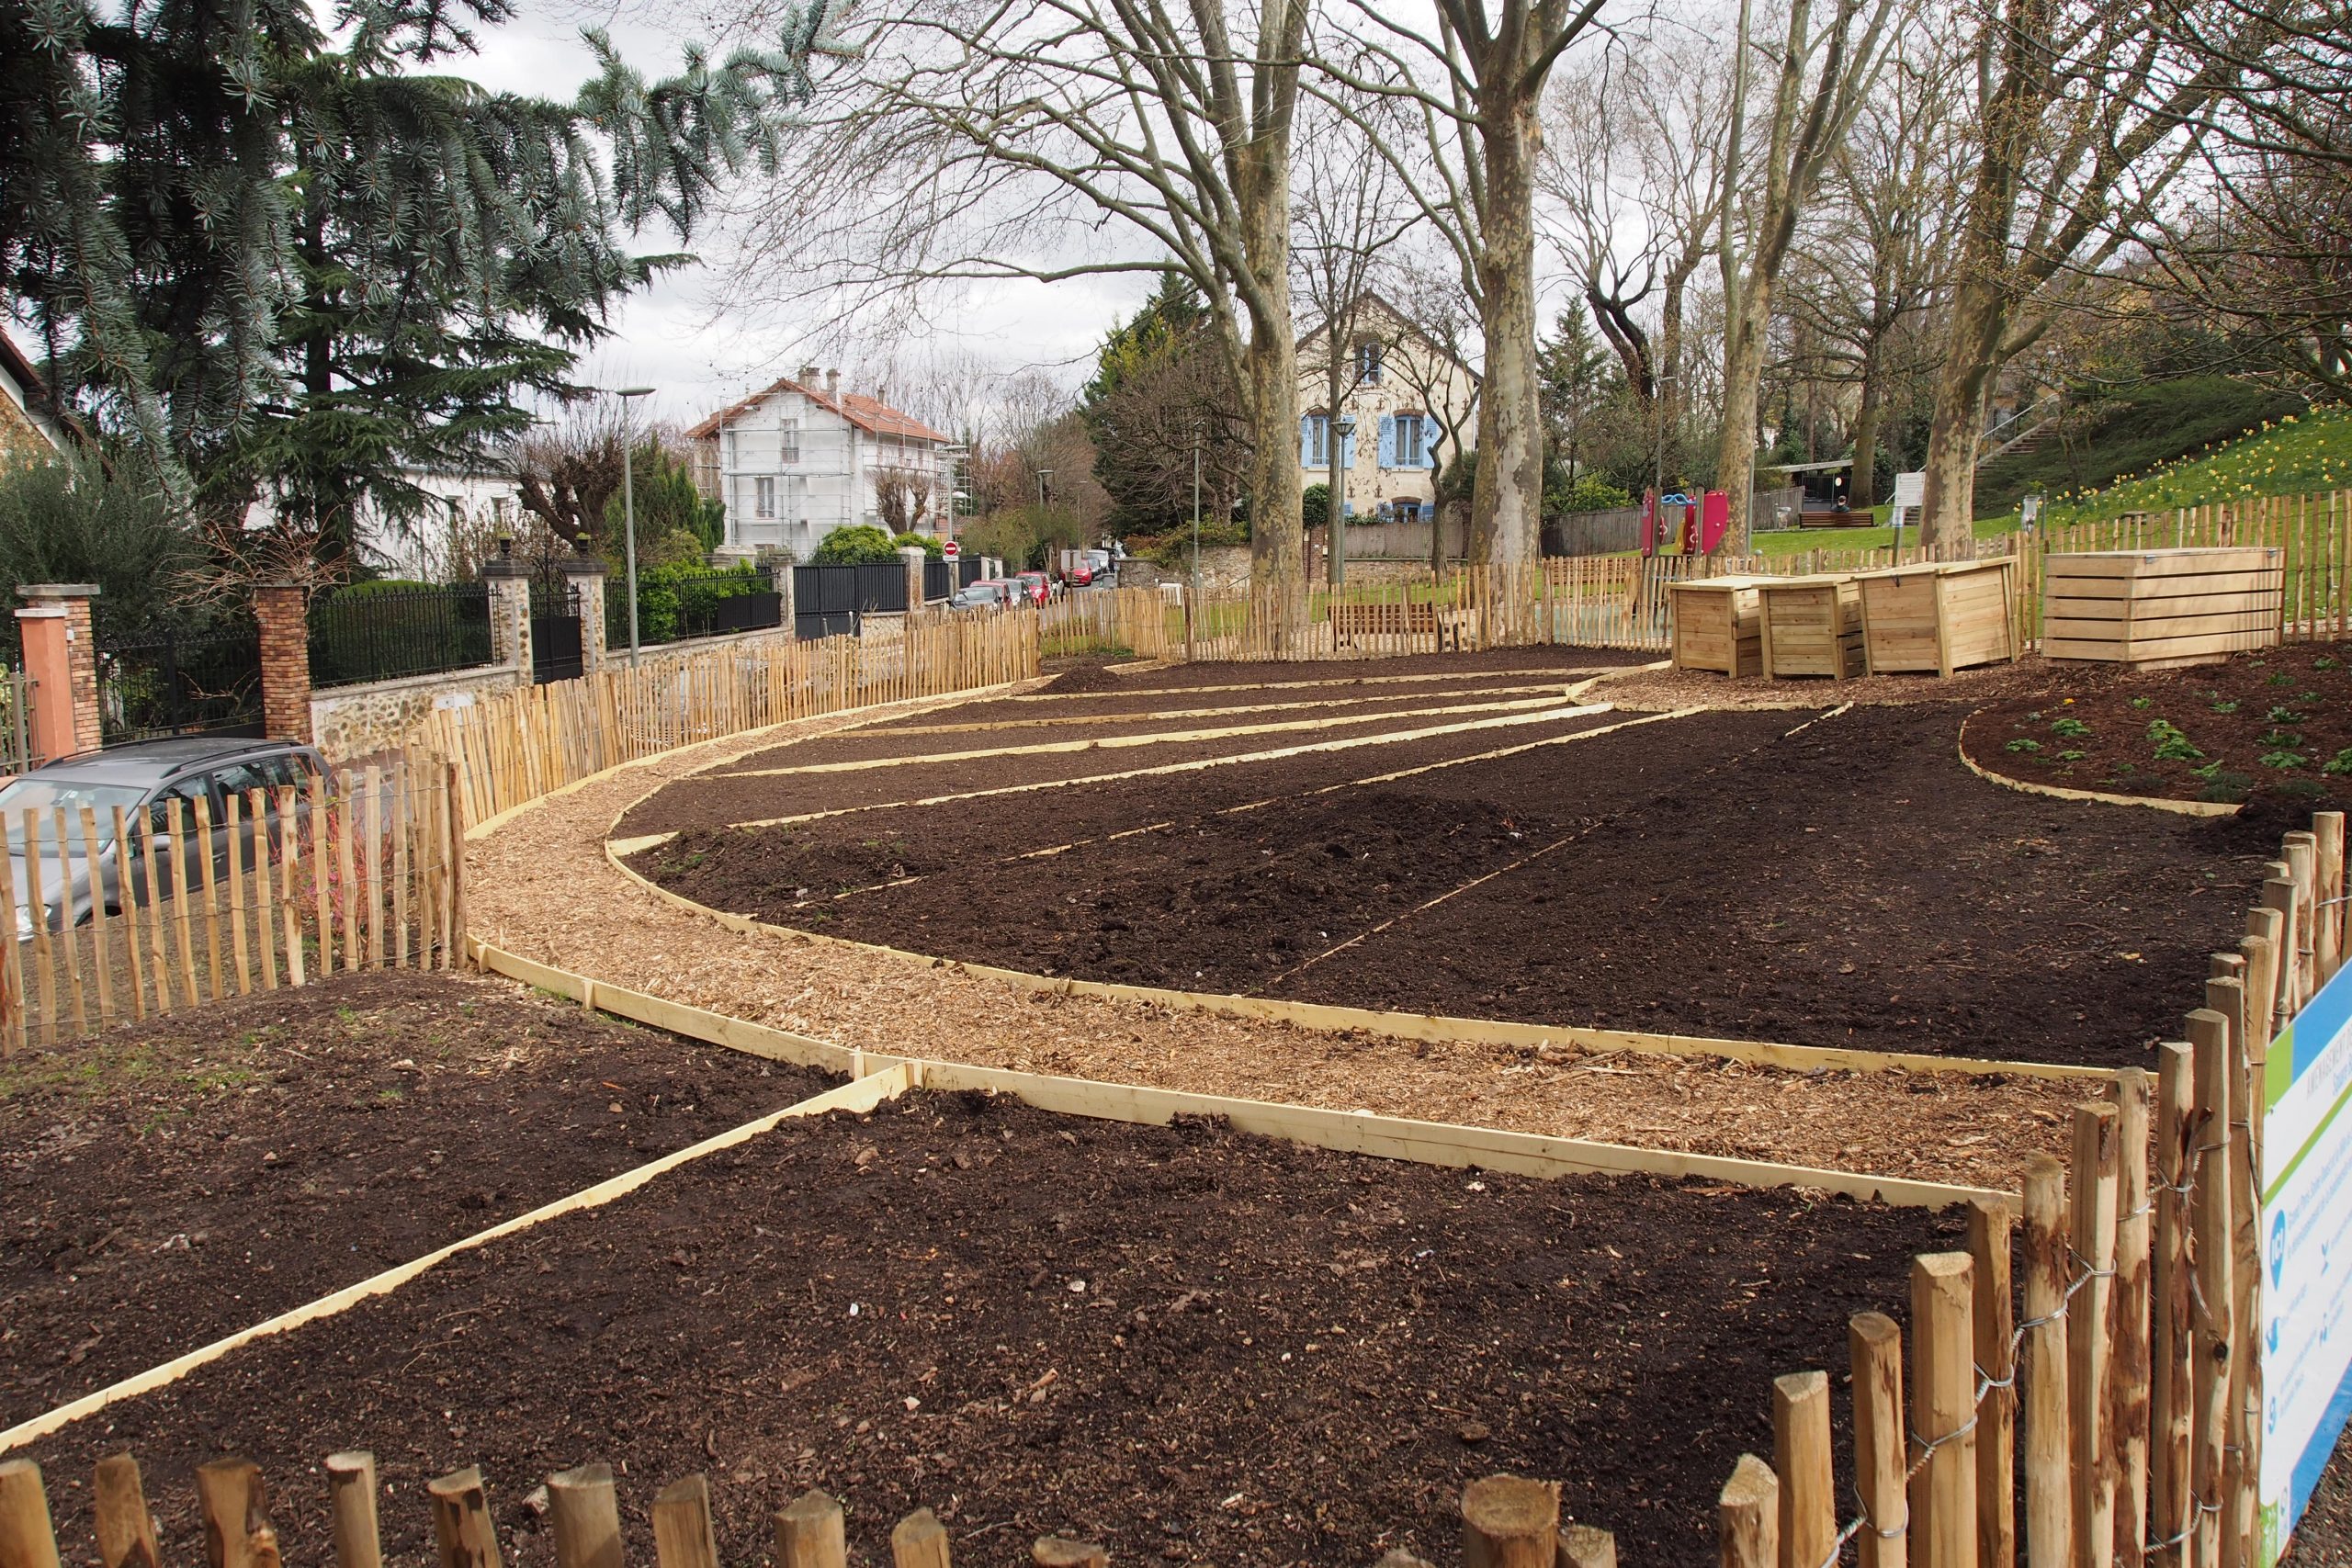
pixel 541 887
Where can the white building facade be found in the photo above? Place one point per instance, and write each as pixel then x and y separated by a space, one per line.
pixel 795 462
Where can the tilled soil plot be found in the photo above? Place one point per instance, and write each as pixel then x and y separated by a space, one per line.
pixel 1848 885
pixel 174 1181
pixel 1210 672
pixel 2275 727
pixel 1185 1344
pixel 1215 900
pixel 1048 711
pixel 720 798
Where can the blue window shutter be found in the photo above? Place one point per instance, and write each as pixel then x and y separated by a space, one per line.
pixel 1387 441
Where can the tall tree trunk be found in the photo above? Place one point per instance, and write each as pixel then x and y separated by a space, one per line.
pixel 1861 493
pixel 1335 512
pixel 1270 382
pixel 1947 509
pixel 1743 374
pixel 1507 501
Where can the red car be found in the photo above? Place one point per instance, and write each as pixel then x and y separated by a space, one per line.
pixel 1080 576
pixel 1034 586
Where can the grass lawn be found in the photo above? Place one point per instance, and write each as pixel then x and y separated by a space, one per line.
pixel 1796 541
pixel 2293 455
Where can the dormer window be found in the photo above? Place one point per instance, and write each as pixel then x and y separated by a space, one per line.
pixel 1368 357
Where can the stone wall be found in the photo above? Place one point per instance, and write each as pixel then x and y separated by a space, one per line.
pixel 348 723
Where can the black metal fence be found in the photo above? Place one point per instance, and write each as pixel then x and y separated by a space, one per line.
pixel 828 599
pixel 938 579
pixel 157 681
pixel 371 631
pixel 967 570
pixel 672 605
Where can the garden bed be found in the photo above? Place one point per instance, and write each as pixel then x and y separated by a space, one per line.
pixel 171 1182
pixel 1184 1343
pixel 1847 884
pixel 2273 728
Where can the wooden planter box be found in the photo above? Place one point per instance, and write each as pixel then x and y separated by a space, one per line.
pixel 1718 625
pixel 1812 626
pixel 1936 616
pixel 2159 609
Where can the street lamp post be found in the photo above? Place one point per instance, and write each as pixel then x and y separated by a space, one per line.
pixel 628 396
pixel 1335 513
pixel 1043 475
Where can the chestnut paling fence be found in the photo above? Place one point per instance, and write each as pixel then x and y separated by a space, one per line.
pixel 1505 1519
pixel 2128 1397
pixel 1620 601
pixel 289 884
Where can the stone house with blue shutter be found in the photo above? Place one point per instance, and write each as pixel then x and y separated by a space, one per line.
pixel 1407 397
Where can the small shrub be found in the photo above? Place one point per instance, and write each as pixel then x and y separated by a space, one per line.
pixel 2024 745
pixel 2282 738
pixel 2300 789
pixel 2072 756
pixel 2283 714
pixel 2280 680
pixel 2285 761
pixel 2069 728
pixel 2324 663
pixel 2172 746
pixel 2227 788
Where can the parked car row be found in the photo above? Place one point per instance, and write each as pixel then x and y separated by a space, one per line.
pixel 1033 587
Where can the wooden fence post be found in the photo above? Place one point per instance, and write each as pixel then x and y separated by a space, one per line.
pixel 2129 1343
pixel 810 1533
pixel 1801 1458
pixel 683 1534
pixel 237 1531
pixel 1747 1516
pixel 26 1538
pixel 1875 1345
pixel 463 1534
pixel 586 1517
pixel 2091 1232
pixel 1509 1522
pixel 2209 1034
pixel 2241 1465
pixel 1582 1546
pixel 1943 1411
pixel 2327 938
pixel 125 1524
pixel 919 1540
pixel 1053 1552
pixel 1989 1223
pixel 203 844
pixel 351 1494
pixel 2172 1325
pixel 2042 1370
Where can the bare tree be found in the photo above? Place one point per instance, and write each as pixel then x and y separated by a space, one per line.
pixel 2086 114
pixel 1473 174
pixel 902 499
pixel 1822 81
pixel 566 473
pixel 1348 211
pixel 983 139
pixel 1431 306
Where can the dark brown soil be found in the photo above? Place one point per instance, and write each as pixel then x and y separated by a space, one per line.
pixel 1036 718
pixel 171 1182
pixel 1848 885
pixel 719 799
pixel 1185 1344
pixel 2267 727
pixel 1174 677
pixel 2324 1539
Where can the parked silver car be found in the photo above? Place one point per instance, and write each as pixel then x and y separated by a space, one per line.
pixel 157 782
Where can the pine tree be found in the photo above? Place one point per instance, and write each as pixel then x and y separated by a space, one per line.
pixel 285 263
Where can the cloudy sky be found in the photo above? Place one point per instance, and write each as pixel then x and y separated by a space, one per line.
pixel 679 335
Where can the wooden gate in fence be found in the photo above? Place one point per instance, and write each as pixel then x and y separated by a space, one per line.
pixel 364 872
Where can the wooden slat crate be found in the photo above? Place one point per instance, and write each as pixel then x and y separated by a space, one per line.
pixel 1940 616
pixel 1811 625
pixel 1718 625
pixel 2159 609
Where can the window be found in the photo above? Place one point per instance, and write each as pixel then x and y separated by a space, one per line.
pixel 763 496
pixel 1314 433
pixel 1368 363
pixel 787 440
pixel 1412 442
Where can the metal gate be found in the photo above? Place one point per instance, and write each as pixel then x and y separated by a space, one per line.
pixel 828 601
pixel 163 680
pixel 555 625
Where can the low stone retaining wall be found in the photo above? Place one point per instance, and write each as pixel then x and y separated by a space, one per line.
pixel 351 722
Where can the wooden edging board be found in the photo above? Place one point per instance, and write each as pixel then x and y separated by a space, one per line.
pixel 2060 792
pixel 864 1093
pixel 1354 1131
pixel 1328 1019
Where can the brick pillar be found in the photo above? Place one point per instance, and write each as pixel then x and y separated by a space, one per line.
pixel 283 611
pixel 62 658
pixel 586 573
pixel 510 614
pixel 912 556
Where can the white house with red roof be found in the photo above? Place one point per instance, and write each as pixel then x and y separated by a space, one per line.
pixel 795 462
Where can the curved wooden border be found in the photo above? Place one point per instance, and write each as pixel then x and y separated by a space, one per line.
pixel 1328 1018
pixel 2060 792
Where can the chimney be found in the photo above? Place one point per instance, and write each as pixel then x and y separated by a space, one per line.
pixel 808 376
pixel 832 383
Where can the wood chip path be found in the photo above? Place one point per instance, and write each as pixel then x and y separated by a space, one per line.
pixel 540 886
